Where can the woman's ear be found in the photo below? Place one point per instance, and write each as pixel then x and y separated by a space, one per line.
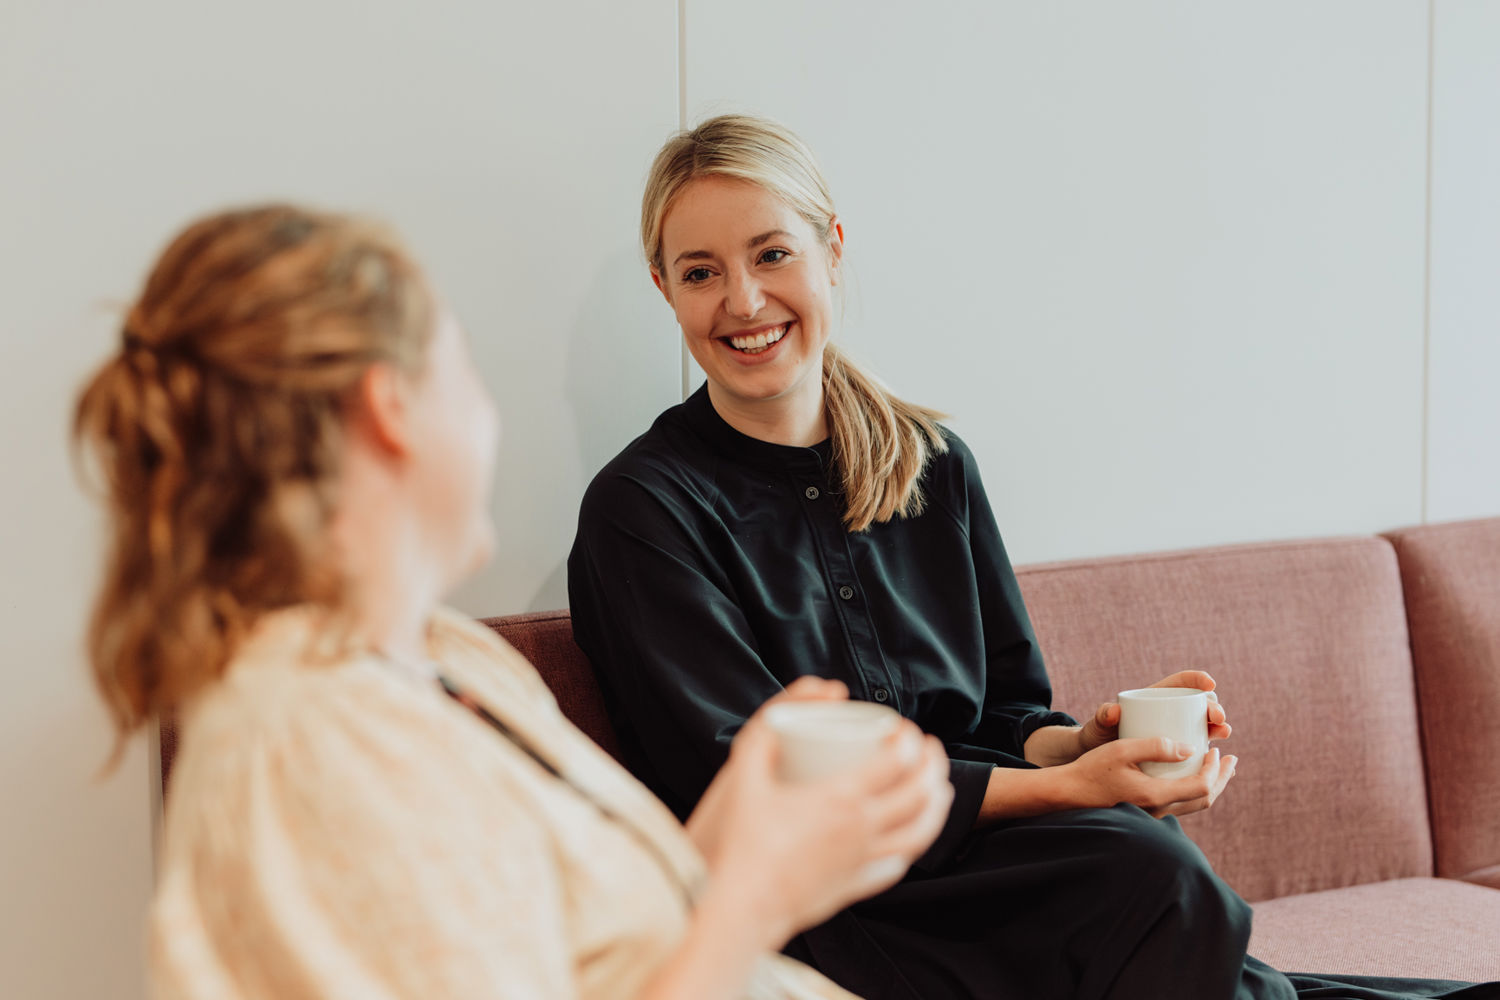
pixel 383 410
pixel 661 286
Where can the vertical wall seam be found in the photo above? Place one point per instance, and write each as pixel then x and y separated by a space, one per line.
pixel 684 360
pixel 1427 267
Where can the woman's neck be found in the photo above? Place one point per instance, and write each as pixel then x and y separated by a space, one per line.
pixel 392 589
pixel 796 418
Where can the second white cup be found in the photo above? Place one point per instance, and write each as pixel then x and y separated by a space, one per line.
pixel 1176 713
pixel 817 738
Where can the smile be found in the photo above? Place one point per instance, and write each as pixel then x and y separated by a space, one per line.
pixel 755 343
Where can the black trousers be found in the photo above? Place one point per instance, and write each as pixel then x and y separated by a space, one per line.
pixel 1089 904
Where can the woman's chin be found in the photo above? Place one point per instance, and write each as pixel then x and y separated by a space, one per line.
pixel 476 557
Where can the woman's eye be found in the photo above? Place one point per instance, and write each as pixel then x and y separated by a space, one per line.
pixel 696 275
pixel 774 256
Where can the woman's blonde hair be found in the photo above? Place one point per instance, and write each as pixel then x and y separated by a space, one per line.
pixel 217 430
pixel 881 444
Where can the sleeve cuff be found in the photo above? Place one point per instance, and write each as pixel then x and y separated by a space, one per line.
pixel 1036 720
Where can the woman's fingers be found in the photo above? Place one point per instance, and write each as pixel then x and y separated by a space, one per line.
pixel 903 803
pixel 914 833
pixel 899 756
pixel 1141 749
pixel 809 688
pixel 1225 771
pixel 1189 679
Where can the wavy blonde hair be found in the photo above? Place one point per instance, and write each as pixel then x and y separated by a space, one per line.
pixel 881 443
pixel 216 429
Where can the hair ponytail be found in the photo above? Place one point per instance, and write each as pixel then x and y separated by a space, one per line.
pixel 216 430
pixel 881 444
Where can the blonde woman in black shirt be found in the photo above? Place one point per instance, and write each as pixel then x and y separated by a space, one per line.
pixel 793 517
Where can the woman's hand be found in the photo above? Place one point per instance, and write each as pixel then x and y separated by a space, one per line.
pixel 1110 774
pixel 1050 746
pixel 795 854
pixel 1104 726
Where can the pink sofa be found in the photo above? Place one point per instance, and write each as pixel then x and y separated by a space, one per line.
pixel 1363 679
pixel 1362 676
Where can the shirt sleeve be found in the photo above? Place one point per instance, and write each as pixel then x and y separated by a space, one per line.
pixel 346 855
pixel 1018 695
pixel 664 628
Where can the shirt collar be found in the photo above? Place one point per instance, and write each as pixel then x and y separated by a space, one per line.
pixel 714 429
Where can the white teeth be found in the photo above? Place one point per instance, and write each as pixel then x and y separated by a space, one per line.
pixel 759 342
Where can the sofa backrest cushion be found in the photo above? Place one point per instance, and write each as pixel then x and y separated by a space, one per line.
pixel 1451 577
pixel 546 639
pixel 1308 644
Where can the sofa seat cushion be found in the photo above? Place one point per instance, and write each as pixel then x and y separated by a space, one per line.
pixel 1417 927
pixel 1308 643
pixel 1451 577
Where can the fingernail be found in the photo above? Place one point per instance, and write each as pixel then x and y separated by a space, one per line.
pixel 1185 749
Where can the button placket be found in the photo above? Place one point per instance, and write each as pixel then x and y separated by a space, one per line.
pixel 872 678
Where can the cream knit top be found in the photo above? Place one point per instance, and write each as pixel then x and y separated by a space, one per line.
pixel 337 827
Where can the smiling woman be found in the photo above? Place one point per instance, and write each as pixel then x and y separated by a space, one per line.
pixel 795 518
pixel 743 241
pixel 752 285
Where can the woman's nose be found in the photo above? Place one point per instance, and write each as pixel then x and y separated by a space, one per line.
pixel 743 296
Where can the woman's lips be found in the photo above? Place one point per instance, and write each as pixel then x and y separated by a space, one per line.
pixel 752 345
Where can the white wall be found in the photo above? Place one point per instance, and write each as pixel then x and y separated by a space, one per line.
pixel 507 141
pixel 1164 261
pixel 1464 361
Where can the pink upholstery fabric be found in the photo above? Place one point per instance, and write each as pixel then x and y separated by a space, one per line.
pixel 1451 577
pixel 1407 927
pixel 546 639
pixel 1308 643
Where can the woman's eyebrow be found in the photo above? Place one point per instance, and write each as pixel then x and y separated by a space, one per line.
pixel 752 243
pixel 758 240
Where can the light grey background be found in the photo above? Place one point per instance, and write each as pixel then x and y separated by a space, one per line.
pixel 1177 268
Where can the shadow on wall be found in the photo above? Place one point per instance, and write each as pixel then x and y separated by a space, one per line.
pixel 623 367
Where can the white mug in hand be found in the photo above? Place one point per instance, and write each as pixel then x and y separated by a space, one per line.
pixel 817 738
pixel 1180 714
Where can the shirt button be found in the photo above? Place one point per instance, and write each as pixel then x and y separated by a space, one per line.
pixel 846 592
pixel 882 695
pixel 811 493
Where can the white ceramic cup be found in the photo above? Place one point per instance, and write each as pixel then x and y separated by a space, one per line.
pixel 817 738
pixel 1180 714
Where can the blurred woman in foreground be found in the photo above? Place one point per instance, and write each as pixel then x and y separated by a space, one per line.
pixel 374 796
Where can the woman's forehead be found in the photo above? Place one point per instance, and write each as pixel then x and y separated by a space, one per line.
pixel 718 209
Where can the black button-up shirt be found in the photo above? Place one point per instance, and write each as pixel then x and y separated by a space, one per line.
pixel 711 569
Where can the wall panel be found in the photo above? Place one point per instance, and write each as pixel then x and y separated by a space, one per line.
pixel 1163 261
pixel 1464 359
pixel 507 141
